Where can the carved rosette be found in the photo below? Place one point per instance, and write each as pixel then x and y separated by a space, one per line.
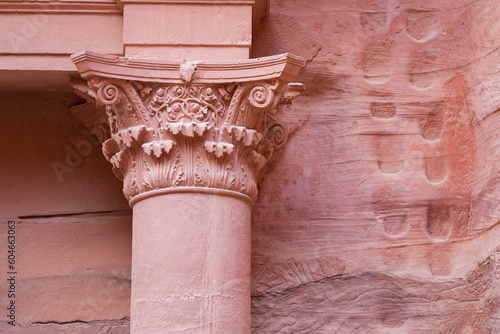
pixel 176 135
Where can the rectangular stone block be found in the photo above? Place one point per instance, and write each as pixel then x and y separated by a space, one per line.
pixel 60 33
pixel 184 52
pixel 187 24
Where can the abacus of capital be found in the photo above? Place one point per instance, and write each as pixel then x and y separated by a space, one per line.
pixel 190 142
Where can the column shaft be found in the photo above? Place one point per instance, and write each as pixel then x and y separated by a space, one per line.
pixel 191 264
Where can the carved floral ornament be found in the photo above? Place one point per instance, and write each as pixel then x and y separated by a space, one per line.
pixel 214 129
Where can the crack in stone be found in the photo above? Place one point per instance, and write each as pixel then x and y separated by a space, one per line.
pixel 122 320
pixel 308 61
pixel 72 214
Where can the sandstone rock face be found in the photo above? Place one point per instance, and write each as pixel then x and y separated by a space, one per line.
pixel 380 214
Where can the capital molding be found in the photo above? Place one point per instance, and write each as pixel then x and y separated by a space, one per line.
pixel 186 126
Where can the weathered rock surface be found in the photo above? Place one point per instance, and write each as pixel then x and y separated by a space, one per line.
pixel 376 302
pixel 384 203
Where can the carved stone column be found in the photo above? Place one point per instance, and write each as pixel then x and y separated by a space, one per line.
pixel 190 142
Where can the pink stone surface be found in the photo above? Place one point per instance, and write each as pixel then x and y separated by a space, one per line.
pixel 37 131
pixel 76 327
pixel 380 215
pixel 154 30
pixel 74 236
pixel 46 33
pixel 69 270
pixel 389 174
pixel 183 52
pixel 191 264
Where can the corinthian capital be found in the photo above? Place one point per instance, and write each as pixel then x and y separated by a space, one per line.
pixel 179 127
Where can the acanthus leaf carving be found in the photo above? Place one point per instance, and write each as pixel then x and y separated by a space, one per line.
pixel 190 134
pixel 158 147
pixel 90 114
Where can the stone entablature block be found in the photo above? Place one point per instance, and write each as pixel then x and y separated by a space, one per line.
pixel 41 34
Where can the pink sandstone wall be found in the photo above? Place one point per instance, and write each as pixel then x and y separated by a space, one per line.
pixel 73 233
pixel 379 215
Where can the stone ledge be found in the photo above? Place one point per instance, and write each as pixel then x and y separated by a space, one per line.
pixel 284 66
pixel 66 6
